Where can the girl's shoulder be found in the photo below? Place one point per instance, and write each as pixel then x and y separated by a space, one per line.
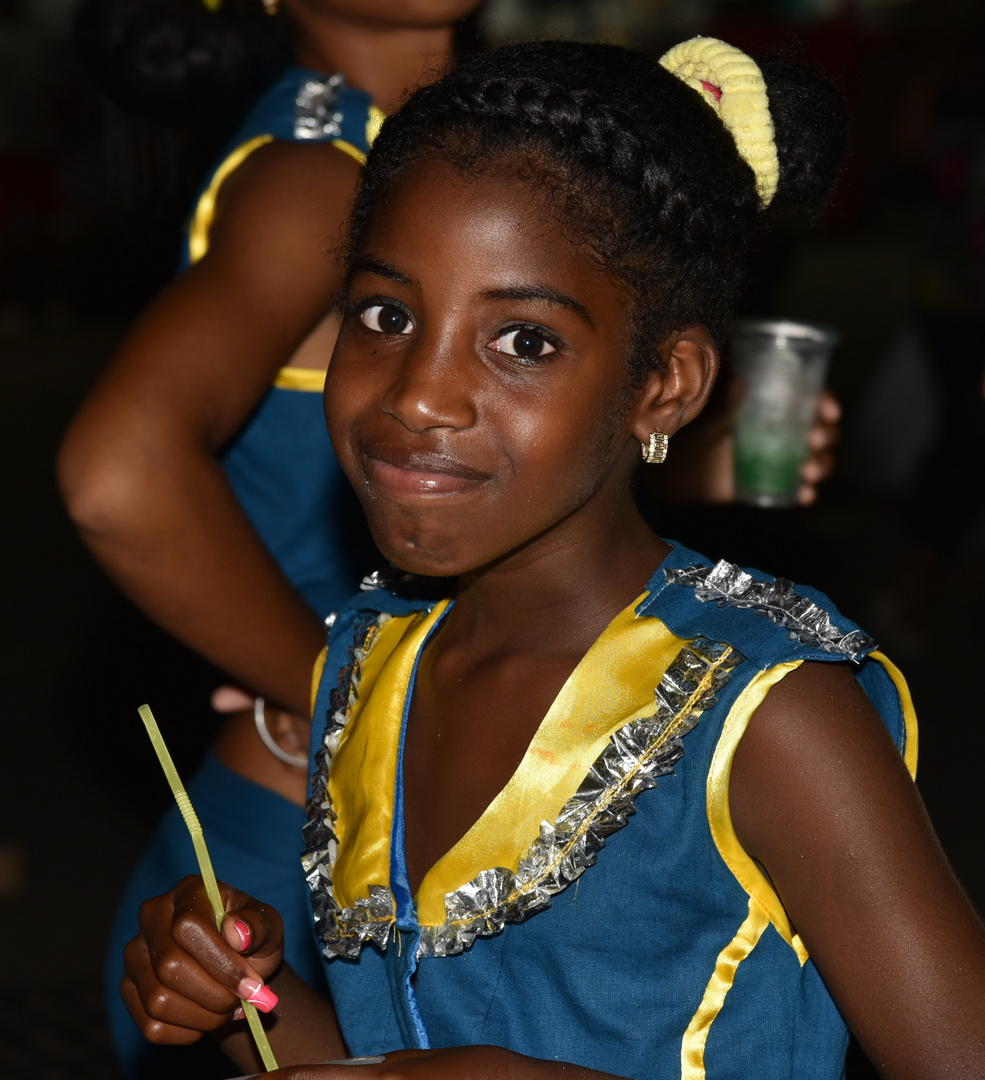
pixel 305 106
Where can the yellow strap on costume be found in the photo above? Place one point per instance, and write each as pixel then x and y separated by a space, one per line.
pixel 310 380
pixel 744 868
pixel 733 86
pixel 726 966
pixel 198 231
pixel 201 223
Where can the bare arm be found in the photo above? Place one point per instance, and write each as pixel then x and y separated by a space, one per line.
pixel 820 798
pixel 137 467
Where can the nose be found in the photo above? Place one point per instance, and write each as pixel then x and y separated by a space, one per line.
pixel 432 387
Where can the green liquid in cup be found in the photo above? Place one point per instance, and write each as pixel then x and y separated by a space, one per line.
pixel 767 464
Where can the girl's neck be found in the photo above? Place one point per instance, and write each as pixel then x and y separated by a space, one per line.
pixel 384 61
pixel 574 585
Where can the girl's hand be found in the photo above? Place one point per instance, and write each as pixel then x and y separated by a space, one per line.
pixel 240 746
pixel 454 1063
pixel 183 977
pixel 821 441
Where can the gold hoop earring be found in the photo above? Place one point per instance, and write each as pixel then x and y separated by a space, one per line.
pixel 655 453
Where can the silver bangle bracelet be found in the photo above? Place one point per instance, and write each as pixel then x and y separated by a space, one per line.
pixel 268 740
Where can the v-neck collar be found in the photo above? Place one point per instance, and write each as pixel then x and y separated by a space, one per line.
pixel 611 686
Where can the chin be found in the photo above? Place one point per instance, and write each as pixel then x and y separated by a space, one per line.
pixel 419 554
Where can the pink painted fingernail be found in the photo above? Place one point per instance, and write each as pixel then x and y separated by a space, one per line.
pixel 239 1013
pixel 257 994
pixel 245 934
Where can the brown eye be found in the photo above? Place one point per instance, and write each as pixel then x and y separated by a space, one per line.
pixel 385 319
pixel 525 343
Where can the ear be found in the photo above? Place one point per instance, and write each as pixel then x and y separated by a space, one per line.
pixel 673 395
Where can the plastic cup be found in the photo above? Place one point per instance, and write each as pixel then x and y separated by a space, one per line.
pixel 781 366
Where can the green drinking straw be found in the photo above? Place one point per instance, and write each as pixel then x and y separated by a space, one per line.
pixel 205 866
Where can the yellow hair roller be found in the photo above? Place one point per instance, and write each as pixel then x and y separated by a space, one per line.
pixel 731 82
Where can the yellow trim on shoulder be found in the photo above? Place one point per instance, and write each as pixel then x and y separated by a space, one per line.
pixel 911 746
pixel 696 1036
pixel 746 872
pixel 309 380
pixel 201 223
pixel 316 675
pixel 352 151
pixel 373 124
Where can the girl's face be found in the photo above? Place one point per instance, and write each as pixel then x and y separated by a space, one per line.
pixel 409 14
pixel 478 394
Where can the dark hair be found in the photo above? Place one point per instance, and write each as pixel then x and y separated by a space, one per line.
pixel 629 158
pixel 175 61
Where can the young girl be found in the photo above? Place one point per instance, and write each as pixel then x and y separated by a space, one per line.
pixel 199 471
pixel 601 808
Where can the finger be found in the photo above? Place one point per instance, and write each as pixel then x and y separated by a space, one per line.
pixel 828 407
pixel 256 930
pixel 823 437
pixel 175 1012
pixel 227 699
pixel 194 960
pixel 817 467
pixel 220 973
pixel 154 1030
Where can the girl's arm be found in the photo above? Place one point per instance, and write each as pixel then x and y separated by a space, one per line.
pixel 138 468
pixel 820 798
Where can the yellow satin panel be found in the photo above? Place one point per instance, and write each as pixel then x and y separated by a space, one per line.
pixel 309 380
pixel 316 675
pixel 201 223
pixel 363 777
pixel 746 872
pixel 696 1036
pixel 909 713
pixel 612 685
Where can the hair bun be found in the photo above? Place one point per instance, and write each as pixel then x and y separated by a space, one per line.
pixel 810 126
pixel 175 61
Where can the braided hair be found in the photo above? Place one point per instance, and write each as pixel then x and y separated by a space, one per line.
pixel 629 160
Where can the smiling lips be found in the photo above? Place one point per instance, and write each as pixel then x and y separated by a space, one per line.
pixel 399 473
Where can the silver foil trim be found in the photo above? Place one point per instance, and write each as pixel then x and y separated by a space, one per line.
pixel 315 115
pixel 636 755
pixel 342 931
pixel 729 586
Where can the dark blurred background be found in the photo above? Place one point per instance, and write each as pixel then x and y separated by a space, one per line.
pixel 90 209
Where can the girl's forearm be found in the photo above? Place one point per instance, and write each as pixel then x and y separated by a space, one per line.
pixel 166 525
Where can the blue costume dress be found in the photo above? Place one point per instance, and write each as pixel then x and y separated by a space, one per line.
pixel 601 911
pixel 285 475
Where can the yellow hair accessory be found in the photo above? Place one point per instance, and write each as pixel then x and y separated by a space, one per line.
pixel 733 85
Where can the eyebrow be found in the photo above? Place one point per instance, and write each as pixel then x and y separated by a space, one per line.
pixel 541 292
pixel 370 264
